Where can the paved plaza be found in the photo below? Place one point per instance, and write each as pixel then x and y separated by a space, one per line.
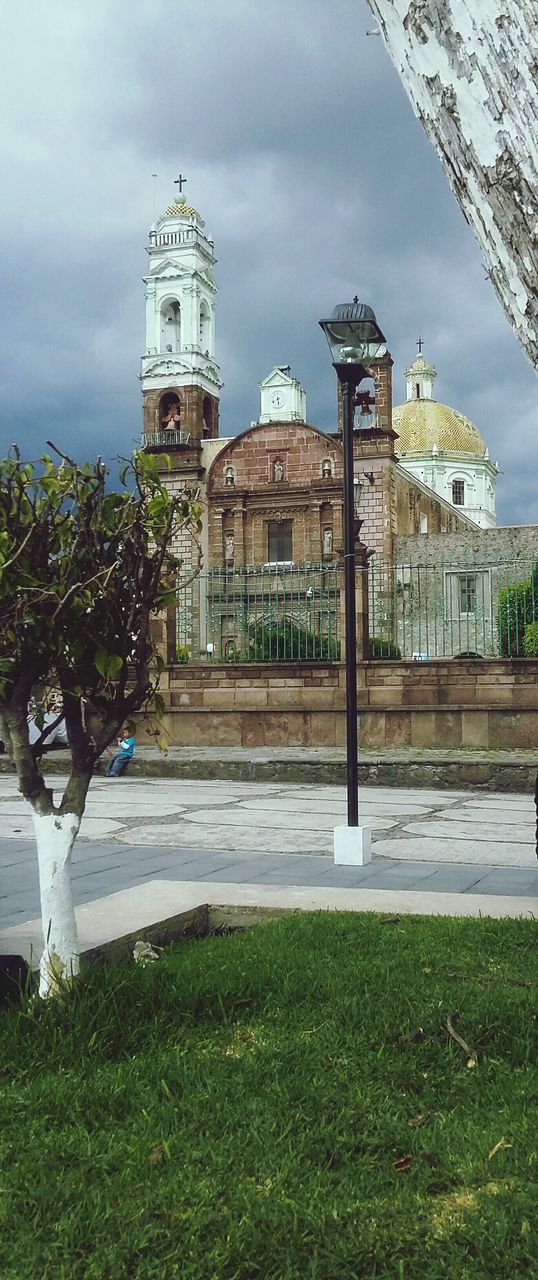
pixel 139 830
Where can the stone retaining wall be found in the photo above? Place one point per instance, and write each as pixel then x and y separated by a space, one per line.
pixel 488 705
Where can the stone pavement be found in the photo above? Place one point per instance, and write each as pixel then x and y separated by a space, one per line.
pixel 140 830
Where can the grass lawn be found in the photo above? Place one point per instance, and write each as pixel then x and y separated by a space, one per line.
pixel 285 1104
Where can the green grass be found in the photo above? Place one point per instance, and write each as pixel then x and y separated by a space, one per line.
pixel 237 1111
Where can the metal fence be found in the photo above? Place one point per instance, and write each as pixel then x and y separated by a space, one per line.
pixel 272 613
pixel 451 609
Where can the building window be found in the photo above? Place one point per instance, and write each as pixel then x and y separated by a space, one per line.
pixel 467 590
pixel 423 522
pixel 279 540
pixel 458 492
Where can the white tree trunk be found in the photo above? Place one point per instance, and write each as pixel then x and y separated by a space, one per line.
pixel 55 836
pixel 469 69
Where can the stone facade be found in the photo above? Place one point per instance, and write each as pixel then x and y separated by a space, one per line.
pixel 275 474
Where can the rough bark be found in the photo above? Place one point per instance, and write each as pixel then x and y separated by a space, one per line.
pixel 470 69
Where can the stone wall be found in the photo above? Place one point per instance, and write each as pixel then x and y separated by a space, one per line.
pixel 437 704
pixel 445 589
pixel 504 544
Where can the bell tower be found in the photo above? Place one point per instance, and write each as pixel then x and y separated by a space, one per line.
pixel 180 376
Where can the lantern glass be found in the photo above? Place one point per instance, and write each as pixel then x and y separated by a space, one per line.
pixel 353 334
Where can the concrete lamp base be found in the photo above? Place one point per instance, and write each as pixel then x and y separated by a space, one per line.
pixel 352 846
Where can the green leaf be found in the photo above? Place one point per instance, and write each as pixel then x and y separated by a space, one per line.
pixel 108 665
pixel 159 704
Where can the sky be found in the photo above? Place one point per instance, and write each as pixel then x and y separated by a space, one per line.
pixel 313 176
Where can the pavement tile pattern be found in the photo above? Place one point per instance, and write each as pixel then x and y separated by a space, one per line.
pixel 144 829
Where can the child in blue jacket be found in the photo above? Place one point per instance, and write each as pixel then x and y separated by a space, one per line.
pixel 120 759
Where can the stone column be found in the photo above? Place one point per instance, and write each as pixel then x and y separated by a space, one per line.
pixel 239 537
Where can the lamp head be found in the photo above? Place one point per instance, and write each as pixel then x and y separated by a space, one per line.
pixel 354 337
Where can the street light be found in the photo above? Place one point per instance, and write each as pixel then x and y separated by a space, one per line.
pixel 355 339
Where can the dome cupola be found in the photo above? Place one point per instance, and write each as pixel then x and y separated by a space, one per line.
pixel 443 448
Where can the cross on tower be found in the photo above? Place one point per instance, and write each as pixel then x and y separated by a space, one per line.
pixel 419 345
pixel 180 182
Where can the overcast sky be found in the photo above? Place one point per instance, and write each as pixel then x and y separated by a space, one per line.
pixel 313 176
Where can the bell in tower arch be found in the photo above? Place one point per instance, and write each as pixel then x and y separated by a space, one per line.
pixel 170 412
pixel 170 327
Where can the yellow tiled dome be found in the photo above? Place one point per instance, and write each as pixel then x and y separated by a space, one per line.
pixel 421 424
pixel 180 210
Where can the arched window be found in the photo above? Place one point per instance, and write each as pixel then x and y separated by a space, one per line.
pixel 205 324
pixel 207 416
pixel 170 327
pixel 229 476
pixel 170 412
pixel 458 493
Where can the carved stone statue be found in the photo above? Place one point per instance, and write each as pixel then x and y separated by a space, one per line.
pixel 278 470
pixel 229 547
pixel 327 542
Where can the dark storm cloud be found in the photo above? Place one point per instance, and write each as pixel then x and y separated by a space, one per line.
pixel 303 156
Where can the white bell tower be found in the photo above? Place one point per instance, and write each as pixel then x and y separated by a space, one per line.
pixel 180 376
pixel 420 377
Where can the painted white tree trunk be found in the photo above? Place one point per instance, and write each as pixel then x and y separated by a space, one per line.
pixel 55 836
pixel 469 69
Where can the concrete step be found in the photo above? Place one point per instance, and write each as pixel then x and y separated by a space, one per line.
pixel 510 771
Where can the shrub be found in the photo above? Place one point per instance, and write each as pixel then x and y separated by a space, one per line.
pixel 517 608
pixel 530 640
pixel 287 641
pixel 182 654
pixel 380 647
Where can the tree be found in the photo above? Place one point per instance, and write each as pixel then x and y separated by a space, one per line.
pixel 469 69
pixel 83 573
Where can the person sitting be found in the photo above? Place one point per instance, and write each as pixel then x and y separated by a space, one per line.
pixel 119 761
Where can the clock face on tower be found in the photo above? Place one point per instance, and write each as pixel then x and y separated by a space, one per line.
pixel 277 400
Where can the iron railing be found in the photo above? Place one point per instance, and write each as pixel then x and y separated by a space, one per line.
pixel 290 613
pixel 165 439
pixel 272 613
pixel 474 607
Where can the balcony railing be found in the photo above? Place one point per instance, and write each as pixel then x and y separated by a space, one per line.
pixel 165 439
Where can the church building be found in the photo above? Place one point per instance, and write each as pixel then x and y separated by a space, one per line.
pixel 273 493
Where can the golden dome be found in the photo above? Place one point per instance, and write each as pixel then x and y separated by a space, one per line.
pixel 181 210
pixel 421 424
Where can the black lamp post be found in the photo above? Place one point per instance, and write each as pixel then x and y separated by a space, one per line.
pixel 355 339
